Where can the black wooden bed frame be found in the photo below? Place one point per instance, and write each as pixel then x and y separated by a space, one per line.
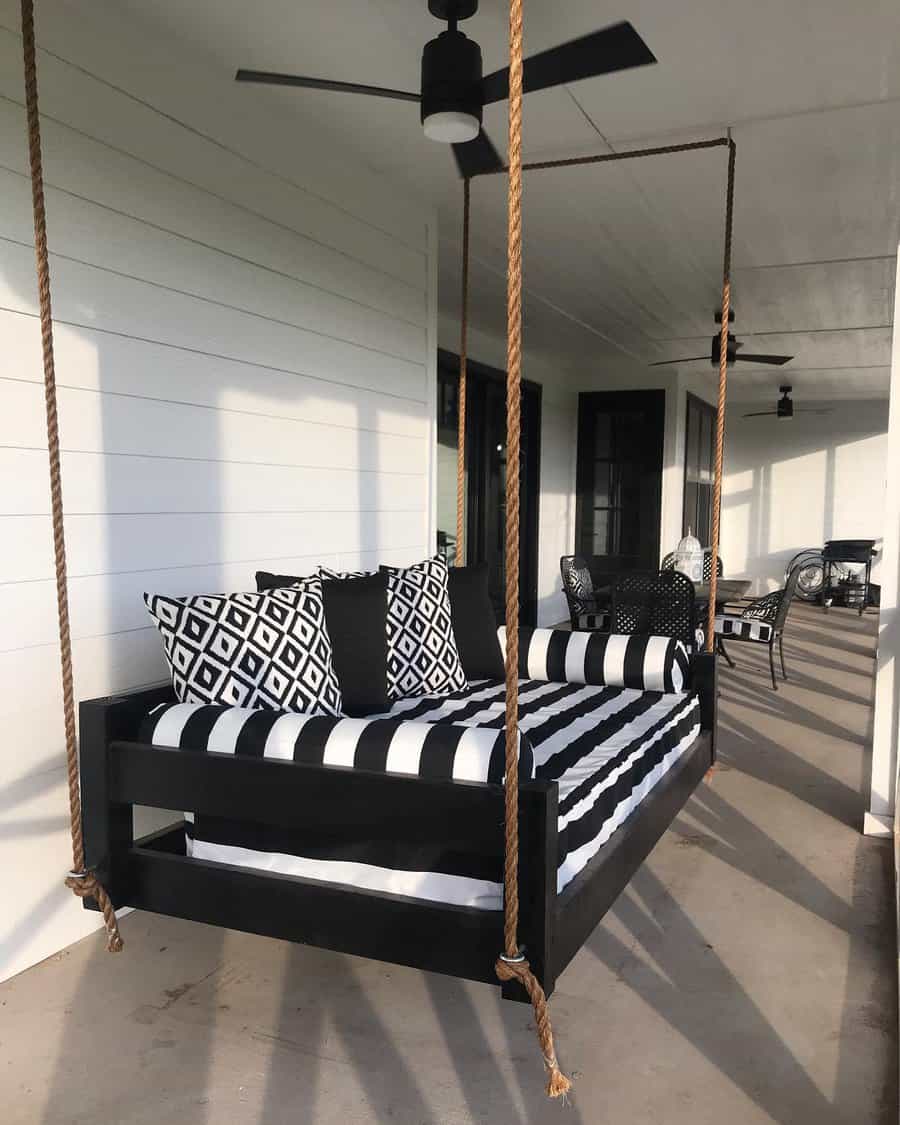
pixel 154 873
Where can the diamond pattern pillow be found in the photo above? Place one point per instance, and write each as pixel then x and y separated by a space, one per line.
pixel 267 650
pixel 422 655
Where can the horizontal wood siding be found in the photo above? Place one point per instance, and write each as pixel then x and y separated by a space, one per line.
pixel 245 337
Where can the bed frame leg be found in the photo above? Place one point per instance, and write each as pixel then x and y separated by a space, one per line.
pixel 705 679
pixel 108 827
pixel 538 814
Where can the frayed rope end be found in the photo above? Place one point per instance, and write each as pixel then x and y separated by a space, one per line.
pixel 558 1086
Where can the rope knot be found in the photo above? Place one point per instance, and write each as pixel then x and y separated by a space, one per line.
pixel 508 969
pixel 84 884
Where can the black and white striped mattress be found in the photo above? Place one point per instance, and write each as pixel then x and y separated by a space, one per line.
pixel 606 747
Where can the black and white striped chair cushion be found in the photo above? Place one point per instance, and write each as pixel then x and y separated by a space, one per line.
pixel 445 751
pixel 743 628
pixel 602 659
pixel 593 621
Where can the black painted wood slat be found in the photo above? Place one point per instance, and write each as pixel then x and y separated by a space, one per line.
pixel 467 816
pixel 438 937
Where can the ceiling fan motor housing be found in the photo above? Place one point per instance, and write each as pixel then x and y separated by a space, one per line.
pixel 785 407
pixel 451 76
pixel 716 349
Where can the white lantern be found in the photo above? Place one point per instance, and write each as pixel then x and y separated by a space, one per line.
pixel 689 557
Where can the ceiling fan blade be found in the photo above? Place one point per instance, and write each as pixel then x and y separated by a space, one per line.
pixel 688 359
pixel 478 156
pixel 762 414
pixel 270 78
pixel 775 360
pixel 618 47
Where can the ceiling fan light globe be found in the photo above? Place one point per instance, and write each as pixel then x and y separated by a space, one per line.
pixel 451 127
pixel 451 104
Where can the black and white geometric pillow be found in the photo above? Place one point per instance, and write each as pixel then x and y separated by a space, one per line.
pixel 336 575
pixel 422 655
pixel 268 650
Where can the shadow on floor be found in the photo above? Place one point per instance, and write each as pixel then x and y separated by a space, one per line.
pixel 747 974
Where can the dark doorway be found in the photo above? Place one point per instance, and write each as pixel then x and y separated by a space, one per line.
pixel 486 476
pixel 619 479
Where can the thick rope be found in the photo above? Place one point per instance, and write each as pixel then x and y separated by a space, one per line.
pixel 720 407
pixel 463 357
pixel 606 157
pixel 510 965
pixel 82 881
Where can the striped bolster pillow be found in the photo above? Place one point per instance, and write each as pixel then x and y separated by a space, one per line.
pixel 603 659
pixel 443 751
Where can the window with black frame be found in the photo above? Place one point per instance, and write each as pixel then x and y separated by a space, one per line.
pixel 699 457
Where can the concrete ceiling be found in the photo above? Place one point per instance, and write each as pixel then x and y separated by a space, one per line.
pixel 622 262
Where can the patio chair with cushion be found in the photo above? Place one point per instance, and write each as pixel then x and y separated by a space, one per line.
pixel 762 622
pixel 587 608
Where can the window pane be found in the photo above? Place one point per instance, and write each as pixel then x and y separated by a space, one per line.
pixel 692 459
pixel 601 484
pixel 704 514
pixel 705 446
pixel 601 532
pixel 690 506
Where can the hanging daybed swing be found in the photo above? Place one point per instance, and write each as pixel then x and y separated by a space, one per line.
pixel 116 771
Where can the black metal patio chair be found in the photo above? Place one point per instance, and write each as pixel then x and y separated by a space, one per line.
pixel 587 608
pixel 762 622
pixel 657 602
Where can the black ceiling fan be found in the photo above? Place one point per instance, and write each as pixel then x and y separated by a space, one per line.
pixel 734 345
pixel 785 408
pixel 454 92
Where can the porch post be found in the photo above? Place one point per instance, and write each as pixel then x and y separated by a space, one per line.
pixel 879 820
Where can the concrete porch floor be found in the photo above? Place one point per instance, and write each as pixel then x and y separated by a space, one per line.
pixel 746 975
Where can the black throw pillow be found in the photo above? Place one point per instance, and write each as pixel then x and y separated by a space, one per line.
pixel 474 623
pixel 266 581
pixel 356 615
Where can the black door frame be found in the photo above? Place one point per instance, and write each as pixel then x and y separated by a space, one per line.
pixel 532 398
pixel 624 399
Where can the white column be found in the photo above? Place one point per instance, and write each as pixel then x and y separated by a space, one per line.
pixel 879 820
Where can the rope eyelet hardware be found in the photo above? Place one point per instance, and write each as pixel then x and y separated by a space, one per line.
pixel 517 960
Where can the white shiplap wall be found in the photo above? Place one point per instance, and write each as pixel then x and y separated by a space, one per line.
pixel 790 485
pixel 245 335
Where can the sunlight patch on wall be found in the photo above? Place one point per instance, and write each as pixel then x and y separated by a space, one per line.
pixel 803 486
